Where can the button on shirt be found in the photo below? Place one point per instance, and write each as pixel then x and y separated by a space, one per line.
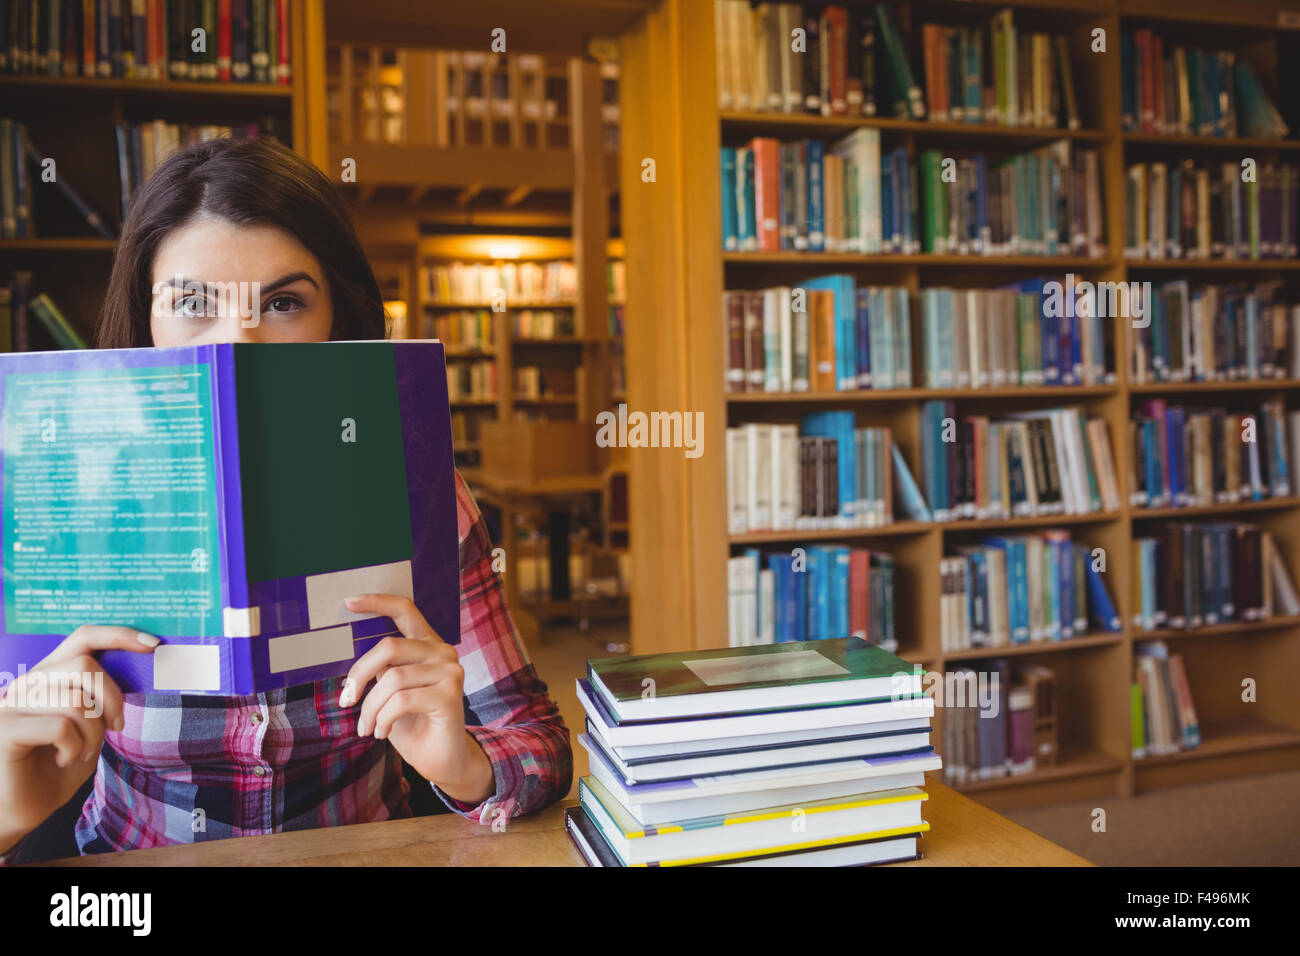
pixel 190 768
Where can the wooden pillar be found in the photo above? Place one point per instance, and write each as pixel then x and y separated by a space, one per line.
pixel 674 338
pixel 590 230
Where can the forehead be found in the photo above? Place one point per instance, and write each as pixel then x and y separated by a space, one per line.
pixel 211 248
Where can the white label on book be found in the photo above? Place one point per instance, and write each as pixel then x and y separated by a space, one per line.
pixel 187 667
pixel 310 649
pixel 241 621
pixel 325 592
pixel 796 665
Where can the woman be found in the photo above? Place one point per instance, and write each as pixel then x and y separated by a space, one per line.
pixel 473 720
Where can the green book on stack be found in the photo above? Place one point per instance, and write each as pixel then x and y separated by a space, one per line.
pixel 786 676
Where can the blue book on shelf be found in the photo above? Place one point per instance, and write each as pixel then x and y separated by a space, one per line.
pixel 909 495
pixel 1173 449
pixel 863 329
pixel 846 318
pixel 1155 451
pixel 838 599
pixel 746 228
pixel 815 153
pixel 818 573
pixel 1102 614
pixel 730 226
pixel 1013 550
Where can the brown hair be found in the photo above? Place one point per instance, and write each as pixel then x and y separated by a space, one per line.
pixel 248 182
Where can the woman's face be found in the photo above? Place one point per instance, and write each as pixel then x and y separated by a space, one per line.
pixel 215 281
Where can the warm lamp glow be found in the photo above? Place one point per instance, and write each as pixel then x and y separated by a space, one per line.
pixel 505 250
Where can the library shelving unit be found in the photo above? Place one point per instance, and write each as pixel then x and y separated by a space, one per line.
pixel 677 272
pixel 573 364
pixel 72 120
pixel 458 149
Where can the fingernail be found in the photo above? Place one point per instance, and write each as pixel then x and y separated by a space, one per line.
pixel 148 640
pixel 351 601
pixel 346 698
pixel 361 729
pixel 61 759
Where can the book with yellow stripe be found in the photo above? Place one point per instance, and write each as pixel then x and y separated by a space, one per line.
pixel 887 815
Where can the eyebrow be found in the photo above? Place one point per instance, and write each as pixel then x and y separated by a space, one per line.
pixel 179 282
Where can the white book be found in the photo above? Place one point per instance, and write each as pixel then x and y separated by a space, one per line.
pixel 738 729
pixel 785 335
pixel 737 482
pixel 766 606
pixel 735 584
pixel 768 786
pixel 758 476
pixel 785 476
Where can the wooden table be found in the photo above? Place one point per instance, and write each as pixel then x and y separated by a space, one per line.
pixel 963 833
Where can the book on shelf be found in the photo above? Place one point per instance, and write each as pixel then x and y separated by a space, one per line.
pixel 1203 211
pixel 498 284
pixel 1171 89
pixel 1207 333
pixel 21 166
pixel 1017 733
pixel 1041 462
pixel 243 40
pixel 1164 712
pixel 857 61
pixel 1023 589
pixel 848 196
pixel 474 381
pixel 465 330
pixel 142 147
pixel 1187 456
pixel 730 744
pixel 828 334
pixel 31 321
pixel 1014 335
pixel 821 474
pixel 616 285
pixel 543 324
pixel 820 592
pixel 246 595
pixel 1187 576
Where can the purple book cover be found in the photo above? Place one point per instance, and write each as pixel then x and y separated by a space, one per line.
pixel 226 499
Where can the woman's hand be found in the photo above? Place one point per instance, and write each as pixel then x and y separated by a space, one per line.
pixel 48 744
pixel 418 701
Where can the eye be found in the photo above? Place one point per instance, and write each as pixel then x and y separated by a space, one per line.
pixel 192 306
pixel 284 303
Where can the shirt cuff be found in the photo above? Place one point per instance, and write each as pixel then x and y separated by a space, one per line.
pixel 507 777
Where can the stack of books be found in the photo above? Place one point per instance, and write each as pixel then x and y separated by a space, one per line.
pixel 795 754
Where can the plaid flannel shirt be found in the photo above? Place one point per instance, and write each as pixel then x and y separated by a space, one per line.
pixel 189 768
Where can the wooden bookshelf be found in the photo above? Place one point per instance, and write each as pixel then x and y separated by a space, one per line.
pixel 71 119
pixel 677 271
